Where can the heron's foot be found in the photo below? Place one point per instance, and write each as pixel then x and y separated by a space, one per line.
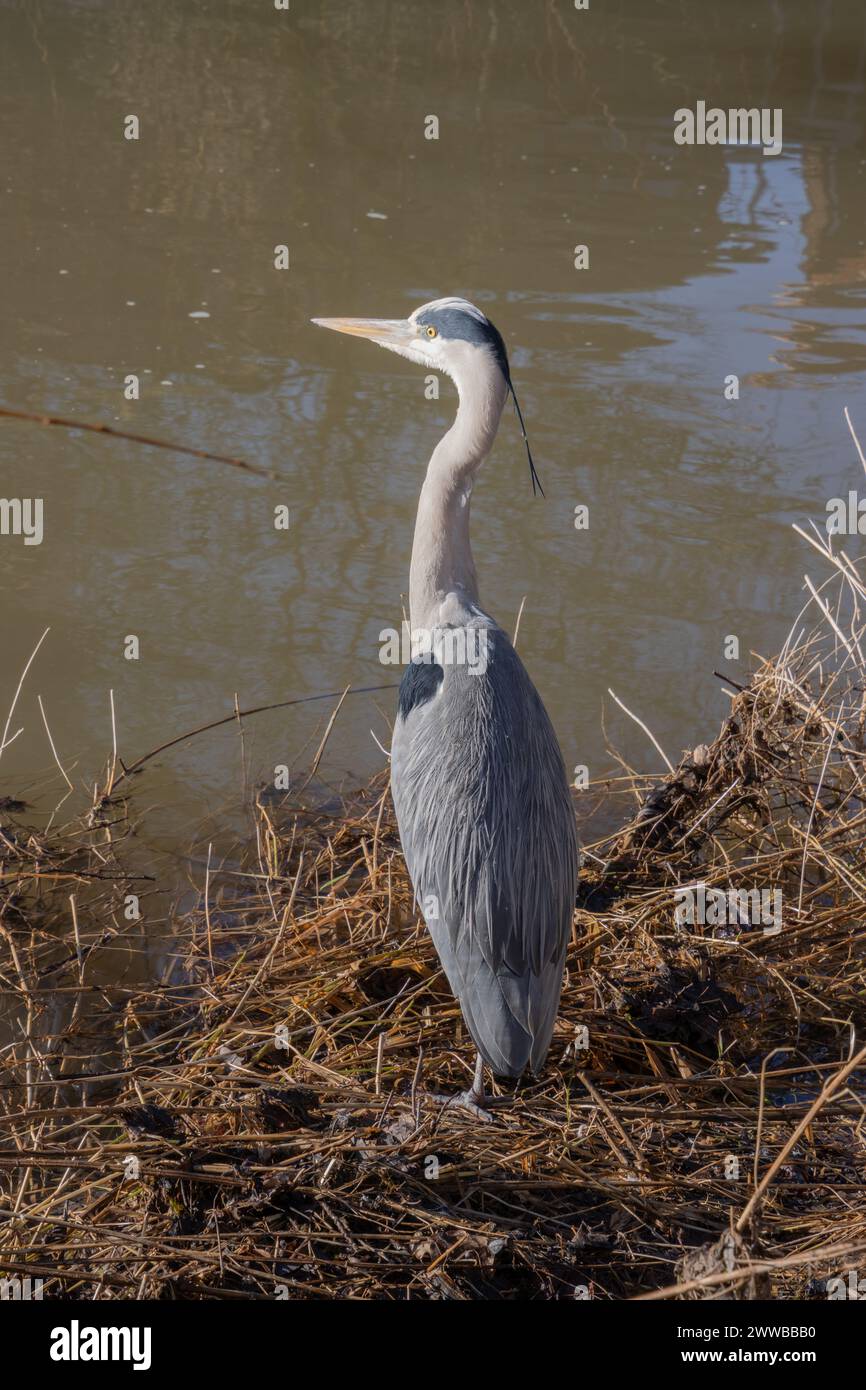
pixel 474 1101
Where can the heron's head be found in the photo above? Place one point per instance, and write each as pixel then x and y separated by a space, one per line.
pixel 447 335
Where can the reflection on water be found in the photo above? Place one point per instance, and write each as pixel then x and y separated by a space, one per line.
pixel 307 128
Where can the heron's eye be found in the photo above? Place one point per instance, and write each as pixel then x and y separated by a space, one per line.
pixel 431 331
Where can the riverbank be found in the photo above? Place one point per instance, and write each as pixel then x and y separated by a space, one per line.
pixel 258 1124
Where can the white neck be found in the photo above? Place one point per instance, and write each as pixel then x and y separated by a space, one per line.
pixel 442 563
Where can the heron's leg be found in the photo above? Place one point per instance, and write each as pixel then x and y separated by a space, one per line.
pixel 474 1100
pixel 476 1091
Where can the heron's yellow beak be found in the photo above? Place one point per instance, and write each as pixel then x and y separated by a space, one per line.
pixel 394 333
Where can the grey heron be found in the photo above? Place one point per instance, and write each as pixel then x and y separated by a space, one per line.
pixel 478 781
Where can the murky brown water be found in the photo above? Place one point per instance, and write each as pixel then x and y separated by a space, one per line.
pixel 307 128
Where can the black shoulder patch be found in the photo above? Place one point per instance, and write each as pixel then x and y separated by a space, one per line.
pixel 421 680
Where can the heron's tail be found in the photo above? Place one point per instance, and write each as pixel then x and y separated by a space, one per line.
pixel 510 1016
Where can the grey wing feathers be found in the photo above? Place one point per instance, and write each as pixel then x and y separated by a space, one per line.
pixel 489 836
